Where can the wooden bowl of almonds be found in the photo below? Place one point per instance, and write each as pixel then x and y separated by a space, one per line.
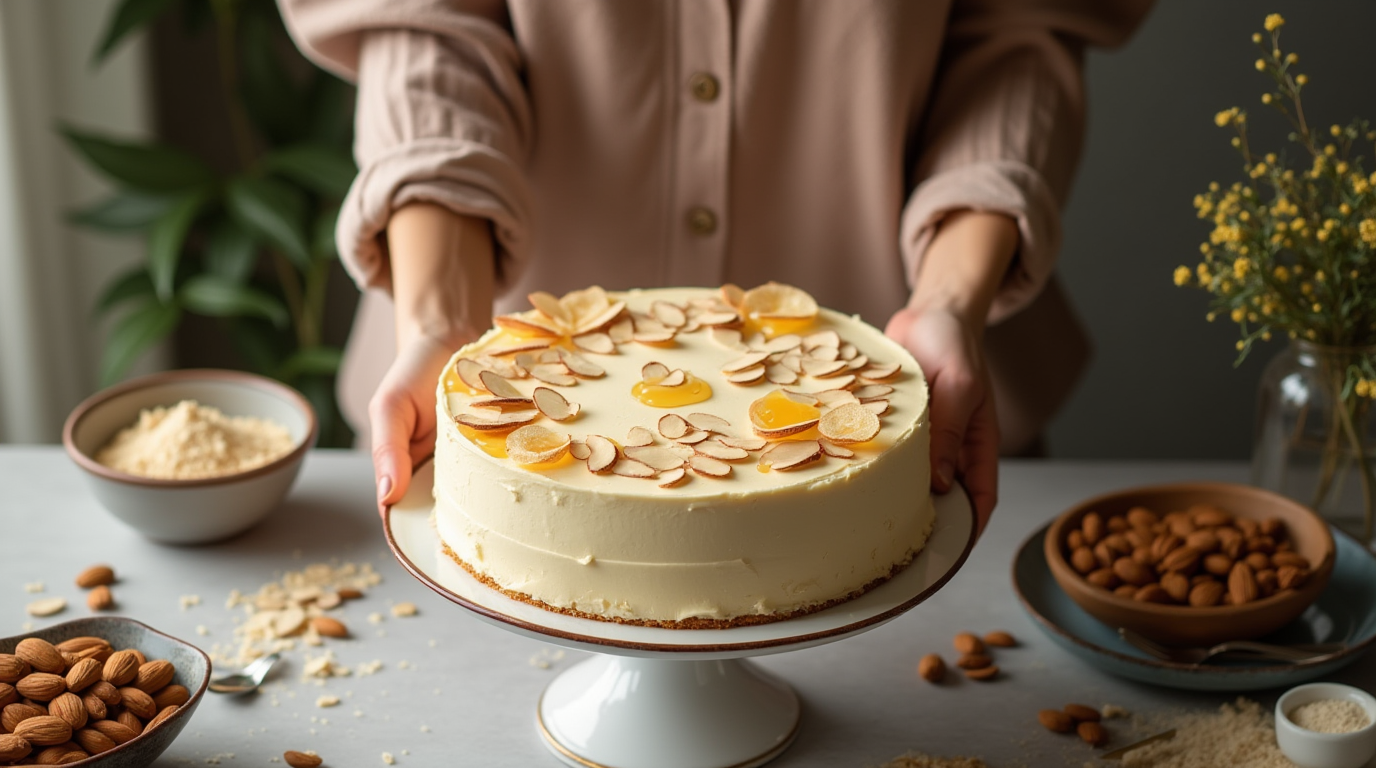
pixel 1191 563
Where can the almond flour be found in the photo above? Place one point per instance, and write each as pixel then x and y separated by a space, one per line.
pixel 190 440
pixel 919 760
pixel 1330 716
pixel 1238 734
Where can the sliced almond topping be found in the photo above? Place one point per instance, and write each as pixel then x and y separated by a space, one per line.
pixel 728 339
pixel 672 425
pixel 550 356
pixel 778 374
pixel 798 396
pixel 638 436
pixel 469 371
pixel 825 354
pixel 690 327
pixel 527 323
pixel 849 423
pixel 502 403
pixel 732 295
pixel 755 343
pixel 669 314
pixel 655 457
pixel 820 368
pixel 498 385
pixel 877 407
pixel 881 372
pixel 632 468
pixel 621 331
pixel 651 373
pixel 602 453
pixel 521 346
pixel 792 454
pixel 684 452
pixel 822 339
pixel 792 361
pixel 676 378
pixel 596 321
pixel 835 397
pixel 706 465
pixel 553 404
pixel 653 337
pixel 742 363
pixel 549 305
pixel 744 443
pixel 598 343
pixel 672 477
pixel 836 451
pixel 848 351
pixel 785 343
pixel 579 450
pixel 857 362
pixel 872 392
pixel 534 444
pixel 836 382
pixel 648 324
pixel 497 422
pixel 776 300
pixel 717 319
pixel 695 436
pixel 709 422
pixel 504 368
pixel 748 376
pixel 526 360
pixel 718 450
pixel 581 366
pixel 553 373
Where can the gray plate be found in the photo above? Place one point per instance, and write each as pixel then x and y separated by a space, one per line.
pixel 1344 612
pixel 193 671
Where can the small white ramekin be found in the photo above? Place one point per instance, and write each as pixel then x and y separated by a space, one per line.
pixel 1311 749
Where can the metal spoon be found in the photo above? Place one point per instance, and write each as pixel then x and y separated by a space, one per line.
pixel 1282 653
pixel 248 679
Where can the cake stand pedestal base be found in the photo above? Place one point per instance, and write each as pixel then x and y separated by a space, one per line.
pixel 626 712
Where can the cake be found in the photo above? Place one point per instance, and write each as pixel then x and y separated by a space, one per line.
pixel 682 457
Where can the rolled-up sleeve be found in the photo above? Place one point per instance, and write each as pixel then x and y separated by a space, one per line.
pixel 1005 124
pixel 442 117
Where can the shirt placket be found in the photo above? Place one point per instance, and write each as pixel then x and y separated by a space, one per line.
pixel 703 91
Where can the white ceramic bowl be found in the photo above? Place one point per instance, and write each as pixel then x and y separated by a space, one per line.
pixel 190 511
pixel 1312 749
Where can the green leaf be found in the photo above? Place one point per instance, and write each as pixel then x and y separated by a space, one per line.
pixel 271 99
pixel 128 17
pixel 166 240
pixel 216 297
pixel 322 239
pixel 317 167
pixel 317 361
pixel 134 333
pixel 273 210
pixel 231 251
pixel 149 167
pixel 258 344
pixel 125 211
pixel 134 284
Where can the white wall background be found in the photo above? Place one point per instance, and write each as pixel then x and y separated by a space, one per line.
pixel 51 273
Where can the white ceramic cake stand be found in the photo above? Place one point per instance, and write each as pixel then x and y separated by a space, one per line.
pixel 672 698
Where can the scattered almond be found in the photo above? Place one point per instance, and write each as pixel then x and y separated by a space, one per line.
pixel 1092 733
pixel 301 759
pixel 47 606
pixel 1082 713
pixel 983 674
pixel 974 661
pixel 404 609
pixel 95 576
pixel 1000 639
pixel 931 668
pixel 1056 721
pixel 967 643
pixel 100 599
pixel 329 627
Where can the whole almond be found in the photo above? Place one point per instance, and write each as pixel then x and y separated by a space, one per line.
pixel 1218 564
pixel 106 693
pixel 1183 559
pixel 1104 555
pixel 13 747
pixel 1209 516
pixel 162 715
pixel 983 674
pixel 1152 593
pixel 1259 561
pixel 171 696
pixel 1132 572
pixel 69 659
pixel 41 655
pixel 329 627
pixel 300 759
pixel 121 667
pixel 1092 526
pixel 1000 639
pixel 41 686
pixel 974 661
pixel 44 730
pixel 931 668
pixel 1116 524
pixel 1203 541
pixel 79 644
pixel 1182 527
pixel 95 708
pixel 59 754
pixel 1104 577
pixel 1163 545
pixel 83 675
pixel 1273 527
pixel 1287 577
pixel 1206 594
pixel 1242 584
pixel 1092 733
pixel 115 731
pixel 8 695
pixel 70 708
pixel 12 668
pixel 1141 517
pixel 1177 585
pixel 1282 559
pixel 1260 543
pixel 349 593
pixel 138 702
pixel 138 655
pixel 96 576
pixel 1075 539
pixel 966 642
pixel 1118 543
pixel 1055 720
pixel 93 741
pixel 1139 538
pixel 1126 591
pixel 1082 713
pixel 130 720
pixel 1083 560
pixel 99 654
pixel 100 599
pixel 14 714
pixel 154 675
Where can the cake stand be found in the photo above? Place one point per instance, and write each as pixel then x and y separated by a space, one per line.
pixel 671 698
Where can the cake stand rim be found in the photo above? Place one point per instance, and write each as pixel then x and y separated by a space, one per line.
pixel 598 643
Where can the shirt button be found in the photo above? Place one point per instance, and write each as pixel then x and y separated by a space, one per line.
pixel 702 221
pixel 703 86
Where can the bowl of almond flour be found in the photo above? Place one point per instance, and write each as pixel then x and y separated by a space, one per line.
pixel 193 456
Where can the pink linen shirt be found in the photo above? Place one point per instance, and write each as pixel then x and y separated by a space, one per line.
pixel 637 143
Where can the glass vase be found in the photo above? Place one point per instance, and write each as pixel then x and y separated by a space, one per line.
pixel 1315 435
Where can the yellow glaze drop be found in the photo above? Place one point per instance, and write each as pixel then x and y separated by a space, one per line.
pixel 777 410
pixel 493 443
pixel 694 390
pixel 776 326
pixel 454 385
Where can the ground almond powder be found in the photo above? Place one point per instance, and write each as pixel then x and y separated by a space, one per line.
pixel 190 440
pixel 1329 716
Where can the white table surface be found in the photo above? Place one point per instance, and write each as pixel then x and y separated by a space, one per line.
pixel 474 686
